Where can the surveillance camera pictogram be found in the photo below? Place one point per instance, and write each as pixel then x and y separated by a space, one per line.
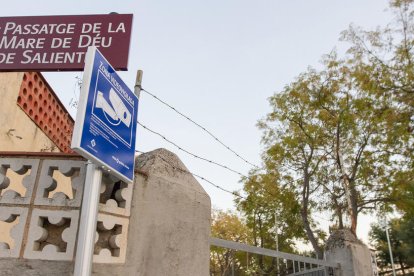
pixel 115 110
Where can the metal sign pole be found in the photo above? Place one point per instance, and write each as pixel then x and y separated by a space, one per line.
pixel 277 243
pixel 105 98
pixel 87 225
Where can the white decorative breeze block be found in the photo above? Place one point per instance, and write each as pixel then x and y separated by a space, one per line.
pixel 115 196
pixel 111 239
pixel 52 235
pixel 75 170
pixel 21 167
pixel 10 215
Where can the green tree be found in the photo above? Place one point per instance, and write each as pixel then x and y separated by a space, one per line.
pixel 342 137
pixel 383 61
pixel 294 145
pixel 323 133
pixel 406 235
pixel 268 208
pixel 228 226
pixel 402 243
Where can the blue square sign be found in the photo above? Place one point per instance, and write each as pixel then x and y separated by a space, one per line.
pixel 106 121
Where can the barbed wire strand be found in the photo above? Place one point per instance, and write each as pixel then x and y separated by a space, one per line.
pixel 190 153
pixel 220 187
pixel 217 186
pixel 198 176
pixel 210 182
pixel 202 158
pixel 202 127
pixel 213 184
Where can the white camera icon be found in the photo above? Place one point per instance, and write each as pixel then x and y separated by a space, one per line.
pixel 116 109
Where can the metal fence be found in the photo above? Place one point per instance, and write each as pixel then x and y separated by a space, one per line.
pixel 288 264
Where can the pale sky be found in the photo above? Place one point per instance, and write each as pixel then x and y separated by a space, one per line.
pixel 218 62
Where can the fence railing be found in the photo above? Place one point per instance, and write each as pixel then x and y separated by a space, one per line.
pixel 294 264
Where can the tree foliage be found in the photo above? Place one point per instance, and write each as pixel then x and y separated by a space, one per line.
pixel 383 61
pixel 340 139
pixel 326 134
pixel 401 233
pixel 269 208
pixel 228 226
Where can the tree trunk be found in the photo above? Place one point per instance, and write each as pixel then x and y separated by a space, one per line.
pixel 311 236
pixel 338 212
pixel 352 196
pixel 402 266
pixel 340 219
pixel 350 192
pixel 305 219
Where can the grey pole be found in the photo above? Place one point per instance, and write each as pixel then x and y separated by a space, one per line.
pixel 232 264
pixel 138 83
pixel 87 225
pixel 389 246
pixel 247 261
pixel 277 243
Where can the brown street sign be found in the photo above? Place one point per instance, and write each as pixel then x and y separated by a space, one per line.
pixel 59 43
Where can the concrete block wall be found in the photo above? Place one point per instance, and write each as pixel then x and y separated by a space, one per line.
pixel 74 170
pixel 22 194
pixel 42 224
pixel 159 225
pixel 51 234
pixel 115 196
pixel 44 227
pixel 111 239
pixel 10 246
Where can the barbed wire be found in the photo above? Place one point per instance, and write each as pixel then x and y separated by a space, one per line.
pixel 203 158
pixel 190 153
pixel 202 127
pixel 215 185
pixel 198 176
pixel 221 188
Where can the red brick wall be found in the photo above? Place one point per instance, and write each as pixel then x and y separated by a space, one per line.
pixel 40 103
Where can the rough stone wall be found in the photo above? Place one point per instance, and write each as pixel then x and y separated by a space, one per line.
pixel 161 228
pixel 170 221
pixel 352 254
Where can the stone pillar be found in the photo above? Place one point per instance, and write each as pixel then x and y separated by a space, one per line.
pixel 352 254
pixel 169 228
